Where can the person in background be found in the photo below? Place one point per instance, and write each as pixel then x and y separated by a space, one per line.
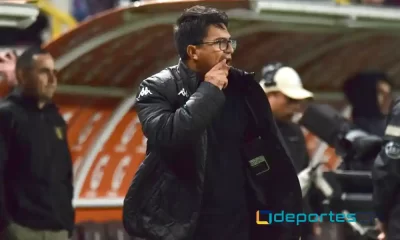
pixel 369 94
pixel 386 178
pixel 35 162
pixel 8 79
pixel 285 92
pixel 81 9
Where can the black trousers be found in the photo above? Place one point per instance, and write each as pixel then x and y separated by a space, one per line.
pixel 393 226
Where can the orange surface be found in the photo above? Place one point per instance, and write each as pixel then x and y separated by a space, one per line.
pixel 114 167
pixel 98 214
pixel 85 118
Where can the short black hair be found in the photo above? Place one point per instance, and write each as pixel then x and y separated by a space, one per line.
pixel 25 60
pixel 362 80
pixel 191 27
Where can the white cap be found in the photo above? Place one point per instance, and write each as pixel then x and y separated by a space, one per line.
pixel 289 83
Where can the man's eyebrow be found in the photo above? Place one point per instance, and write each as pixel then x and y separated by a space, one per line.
pixel 221 38
pixel 47 69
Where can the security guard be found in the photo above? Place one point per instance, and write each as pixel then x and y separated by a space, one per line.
pixel 386 178
pixel 35 162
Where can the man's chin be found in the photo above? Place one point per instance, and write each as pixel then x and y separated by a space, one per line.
pixel 46 97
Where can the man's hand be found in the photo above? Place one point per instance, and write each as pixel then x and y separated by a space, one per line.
pixel 382 228
pixel 218 75
pixel 305 180
pixel 382 236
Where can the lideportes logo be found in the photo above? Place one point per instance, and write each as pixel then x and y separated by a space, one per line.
pixel 266 217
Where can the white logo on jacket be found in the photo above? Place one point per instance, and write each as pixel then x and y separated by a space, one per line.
pixel 144 92
pixel 184 93
pixel 392 150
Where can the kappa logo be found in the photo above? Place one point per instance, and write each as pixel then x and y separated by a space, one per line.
pixel 144 92
pixel 184 93
pixel 392 150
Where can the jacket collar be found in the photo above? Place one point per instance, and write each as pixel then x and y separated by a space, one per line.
pixel 241 80
pixel 29 102
pixel 189 77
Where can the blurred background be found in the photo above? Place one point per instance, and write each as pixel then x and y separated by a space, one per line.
pixel 104 48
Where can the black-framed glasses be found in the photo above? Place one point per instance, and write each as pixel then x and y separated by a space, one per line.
pixel 222 43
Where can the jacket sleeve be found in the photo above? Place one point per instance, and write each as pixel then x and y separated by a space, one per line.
pixel 166 125
pixel 386 169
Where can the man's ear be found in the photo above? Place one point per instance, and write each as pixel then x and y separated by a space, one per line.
pixel 270 96
pixel 192 52
pixel 19 74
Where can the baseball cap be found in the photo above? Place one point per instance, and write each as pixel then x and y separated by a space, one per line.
pixel 279 78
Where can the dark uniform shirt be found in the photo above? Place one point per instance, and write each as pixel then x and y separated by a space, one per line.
pixel 295 141
pixel 386 176
pixel 35 166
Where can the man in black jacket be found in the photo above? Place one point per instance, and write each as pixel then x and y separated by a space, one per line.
pixel 386 178
pixel 35 162
pixel 369 93
pixel 214 153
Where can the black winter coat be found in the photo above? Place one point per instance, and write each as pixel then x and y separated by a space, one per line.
pixel 175 110
pixel 36 188
pixel 386 176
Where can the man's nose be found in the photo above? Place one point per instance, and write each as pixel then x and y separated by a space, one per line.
pixel 52 78
pixel 229 49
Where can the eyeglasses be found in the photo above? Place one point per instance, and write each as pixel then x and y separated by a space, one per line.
pixel 222 43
